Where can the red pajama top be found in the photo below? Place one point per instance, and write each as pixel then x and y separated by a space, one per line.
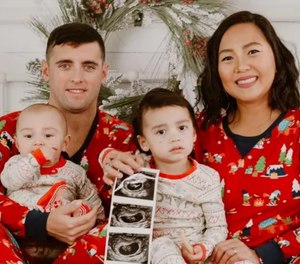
pixel 261 191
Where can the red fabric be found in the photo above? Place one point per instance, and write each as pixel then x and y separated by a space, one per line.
pixel 8 248
pixel 261 191
pixel 89 248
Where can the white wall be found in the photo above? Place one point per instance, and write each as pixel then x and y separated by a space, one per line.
pixel 139 49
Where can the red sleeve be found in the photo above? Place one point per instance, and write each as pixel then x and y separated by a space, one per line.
pixel 198 149
pixel 12 215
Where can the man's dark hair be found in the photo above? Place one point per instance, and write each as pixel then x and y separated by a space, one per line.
pixel 74 34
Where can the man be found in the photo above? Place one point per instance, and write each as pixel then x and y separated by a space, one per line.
pixel 74 68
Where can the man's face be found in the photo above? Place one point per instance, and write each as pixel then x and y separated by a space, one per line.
pixel 75 75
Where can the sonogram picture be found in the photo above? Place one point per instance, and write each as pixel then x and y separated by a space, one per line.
pixel 130 225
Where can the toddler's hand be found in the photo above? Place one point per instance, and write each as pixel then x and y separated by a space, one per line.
pixel 191 254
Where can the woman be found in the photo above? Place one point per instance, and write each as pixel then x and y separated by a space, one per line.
pixel 250 135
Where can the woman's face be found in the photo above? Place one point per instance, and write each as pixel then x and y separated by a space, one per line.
pixel 246 64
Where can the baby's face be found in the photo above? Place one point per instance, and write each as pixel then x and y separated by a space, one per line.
pixel 38 129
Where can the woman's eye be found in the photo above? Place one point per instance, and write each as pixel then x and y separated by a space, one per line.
pixel 227 58
pixel 253 51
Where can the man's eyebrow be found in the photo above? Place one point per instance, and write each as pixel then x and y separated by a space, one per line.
pixel 70 61
pixel 90 62
pixel 63 61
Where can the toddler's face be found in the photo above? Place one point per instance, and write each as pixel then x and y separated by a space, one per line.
pixel 169 133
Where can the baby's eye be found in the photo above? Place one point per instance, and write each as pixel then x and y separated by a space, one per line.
pixel 161 132
pixel 27 136
pixel 48 135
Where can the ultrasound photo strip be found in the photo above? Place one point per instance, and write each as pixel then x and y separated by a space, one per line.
pixel 130 225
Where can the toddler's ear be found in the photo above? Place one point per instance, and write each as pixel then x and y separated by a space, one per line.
pixel 194 137
pixel 143 143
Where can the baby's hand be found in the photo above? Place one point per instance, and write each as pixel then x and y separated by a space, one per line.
pixel 50 153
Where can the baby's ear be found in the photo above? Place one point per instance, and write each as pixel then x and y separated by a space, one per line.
pixel 143 143
pixel 66 143
pixel 16 142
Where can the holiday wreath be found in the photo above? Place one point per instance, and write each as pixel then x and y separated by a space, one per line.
pixel 189 22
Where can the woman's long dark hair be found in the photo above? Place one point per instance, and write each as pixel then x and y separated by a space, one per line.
pixel 284 94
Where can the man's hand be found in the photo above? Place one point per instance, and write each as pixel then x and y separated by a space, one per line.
pixel 62 226
pixel 117 162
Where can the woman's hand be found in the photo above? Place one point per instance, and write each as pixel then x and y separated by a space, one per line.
pixel 117 162
pixel 63 226
pixel 231 251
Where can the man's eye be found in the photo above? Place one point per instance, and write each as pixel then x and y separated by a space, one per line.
pixel 89 68
pixel 64 66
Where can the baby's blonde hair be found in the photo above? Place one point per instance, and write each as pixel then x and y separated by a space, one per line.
pixel 42 108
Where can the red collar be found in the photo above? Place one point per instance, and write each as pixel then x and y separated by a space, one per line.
pixel 176 176
pixel 53 169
